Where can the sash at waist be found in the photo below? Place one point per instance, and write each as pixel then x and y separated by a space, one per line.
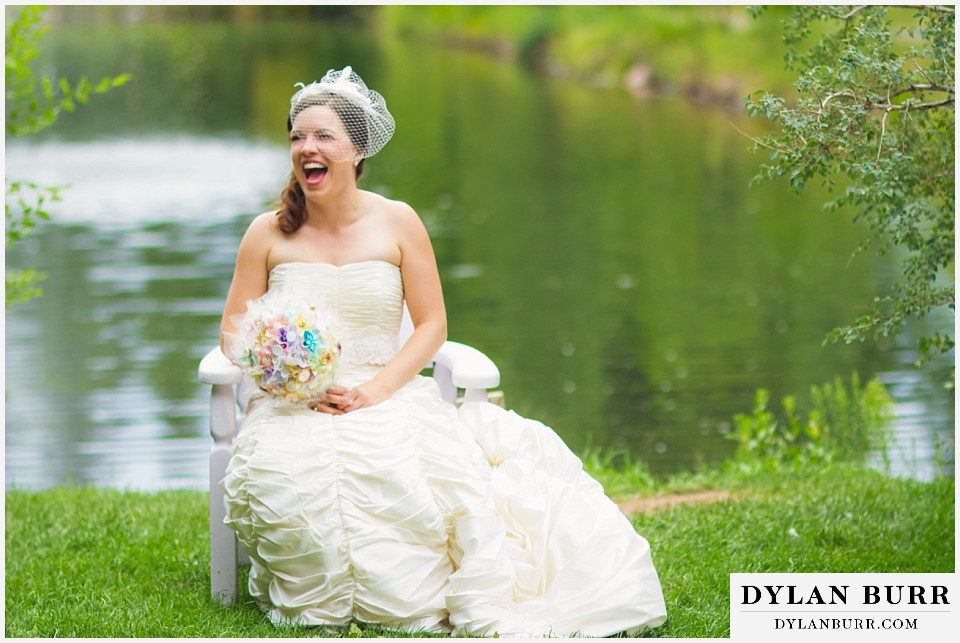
pixel 369 346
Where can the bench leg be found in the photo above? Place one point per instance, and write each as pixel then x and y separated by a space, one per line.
pixel 223 541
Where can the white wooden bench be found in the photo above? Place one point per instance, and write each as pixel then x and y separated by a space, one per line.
pixel 455 366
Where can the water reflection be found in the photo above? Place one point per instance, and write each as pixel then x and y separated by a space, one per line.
pixel 608 254
pixel 129 182
pixel 100 369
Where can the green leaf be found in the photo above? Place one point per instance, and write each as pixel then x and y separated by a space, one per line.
pixel 26 115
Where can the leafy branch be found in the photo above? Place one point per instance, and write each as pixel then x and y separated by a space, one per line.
pixel 873 119
pixel 834 12
pixel 32 104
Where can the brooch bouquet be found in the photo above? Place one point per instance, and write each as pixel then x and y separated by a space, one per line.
pixel 287 347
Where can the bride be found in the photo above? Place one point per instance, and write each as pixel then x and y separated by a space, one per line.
pixel 381 503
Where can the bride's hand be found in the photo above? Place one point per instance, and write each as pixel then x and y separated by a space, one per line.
pixel 339 400
pixel 362 396
pixel 332 401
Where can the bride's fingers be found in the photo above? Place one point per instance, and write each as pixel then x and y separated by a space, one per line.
pixel 324 407
pixel 335 399
pixel 353 401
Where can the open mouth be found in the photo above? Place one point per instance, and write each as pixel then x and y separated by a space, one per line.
pixel 314 173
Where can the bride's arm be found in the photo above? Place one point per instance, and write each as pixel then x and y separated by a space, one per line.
pixel 422 290
pixel 250 274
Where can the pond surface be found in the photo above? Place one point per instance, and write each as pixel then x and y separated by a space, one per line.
pixel 607 253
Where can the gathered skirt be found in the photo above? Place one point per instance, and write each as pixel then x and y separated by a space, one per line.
pixel 417 515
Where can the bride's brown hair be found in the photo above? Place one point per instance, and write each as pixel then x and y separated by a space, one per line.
pixel 293 203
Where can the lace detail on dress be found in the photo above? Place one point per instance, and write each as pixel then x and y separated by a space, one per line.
pixel 369 346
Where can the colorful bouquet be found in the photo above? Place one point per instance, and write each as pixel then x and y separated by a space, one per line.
pixel 287 347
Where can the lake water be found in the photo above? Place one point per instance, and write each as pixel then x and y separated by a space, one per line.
pixel 606 252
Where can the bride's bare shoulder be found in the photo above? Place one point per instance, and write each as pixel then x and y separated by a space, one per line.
pixel 264 229
pixel 396 212
pixel 265 223
pixel 261 235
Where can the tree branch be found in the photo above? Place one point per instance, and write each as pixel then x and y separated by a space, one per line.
pixel 930 87
pixel 757 141
pixel 930 7
pixel 843 93
pixel 917 65
pixel 883 130
pixel 846 93
pixel 909 107
pixel 855 10
pixel 852 12
pixel 888 106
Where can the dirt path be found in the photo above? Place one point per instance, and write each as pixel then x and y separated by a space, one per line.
pixel 650 505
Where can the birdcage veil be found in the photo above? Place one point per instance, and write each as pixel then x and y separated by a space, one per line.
pixel 362 110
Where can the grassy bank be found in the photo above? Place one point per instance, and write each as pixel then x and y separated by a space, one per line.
pixel 83 562
pixel 715 54
pixel 836 520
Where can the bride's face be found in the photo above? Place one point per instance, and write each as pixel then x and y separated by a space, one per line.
pixel 320 148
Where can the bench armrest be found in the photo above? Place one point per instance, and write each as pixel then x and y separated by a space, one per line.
pixel 215 368
pixel 469 368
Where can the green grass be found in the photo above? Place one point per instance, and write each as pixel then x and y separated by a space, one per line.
pixel 84 562
pixel 840 519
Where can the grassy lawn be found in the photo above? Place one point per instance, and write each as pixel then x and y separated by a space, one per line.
pixel 838 520
pixel 83 562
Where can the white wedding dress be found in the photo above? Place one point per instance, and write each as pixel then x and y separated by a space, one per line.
pixel 416 515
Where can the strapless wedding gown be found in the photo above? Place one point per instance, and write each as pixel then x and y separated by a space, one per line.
pixel 416 515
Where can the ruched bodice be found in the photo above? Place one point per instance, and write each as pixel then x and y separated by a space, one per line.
pixel 419 515
pixel 365 299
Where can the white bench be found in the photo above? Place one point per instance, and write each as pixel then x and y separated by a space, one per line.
pixel 455 366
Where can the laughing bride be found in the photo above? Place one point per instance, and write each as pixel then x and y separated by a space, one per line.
pixel 379 502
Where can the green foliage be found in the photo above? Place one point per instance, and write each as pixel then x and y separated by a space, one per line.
pixel 857 419
pixel 31 207
pixel 764 442
pixel 874 120
pixel 710 49
pixel 618 472
pixel 21 218
pixel 845 424
pixel 21 285
pixel 33 103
